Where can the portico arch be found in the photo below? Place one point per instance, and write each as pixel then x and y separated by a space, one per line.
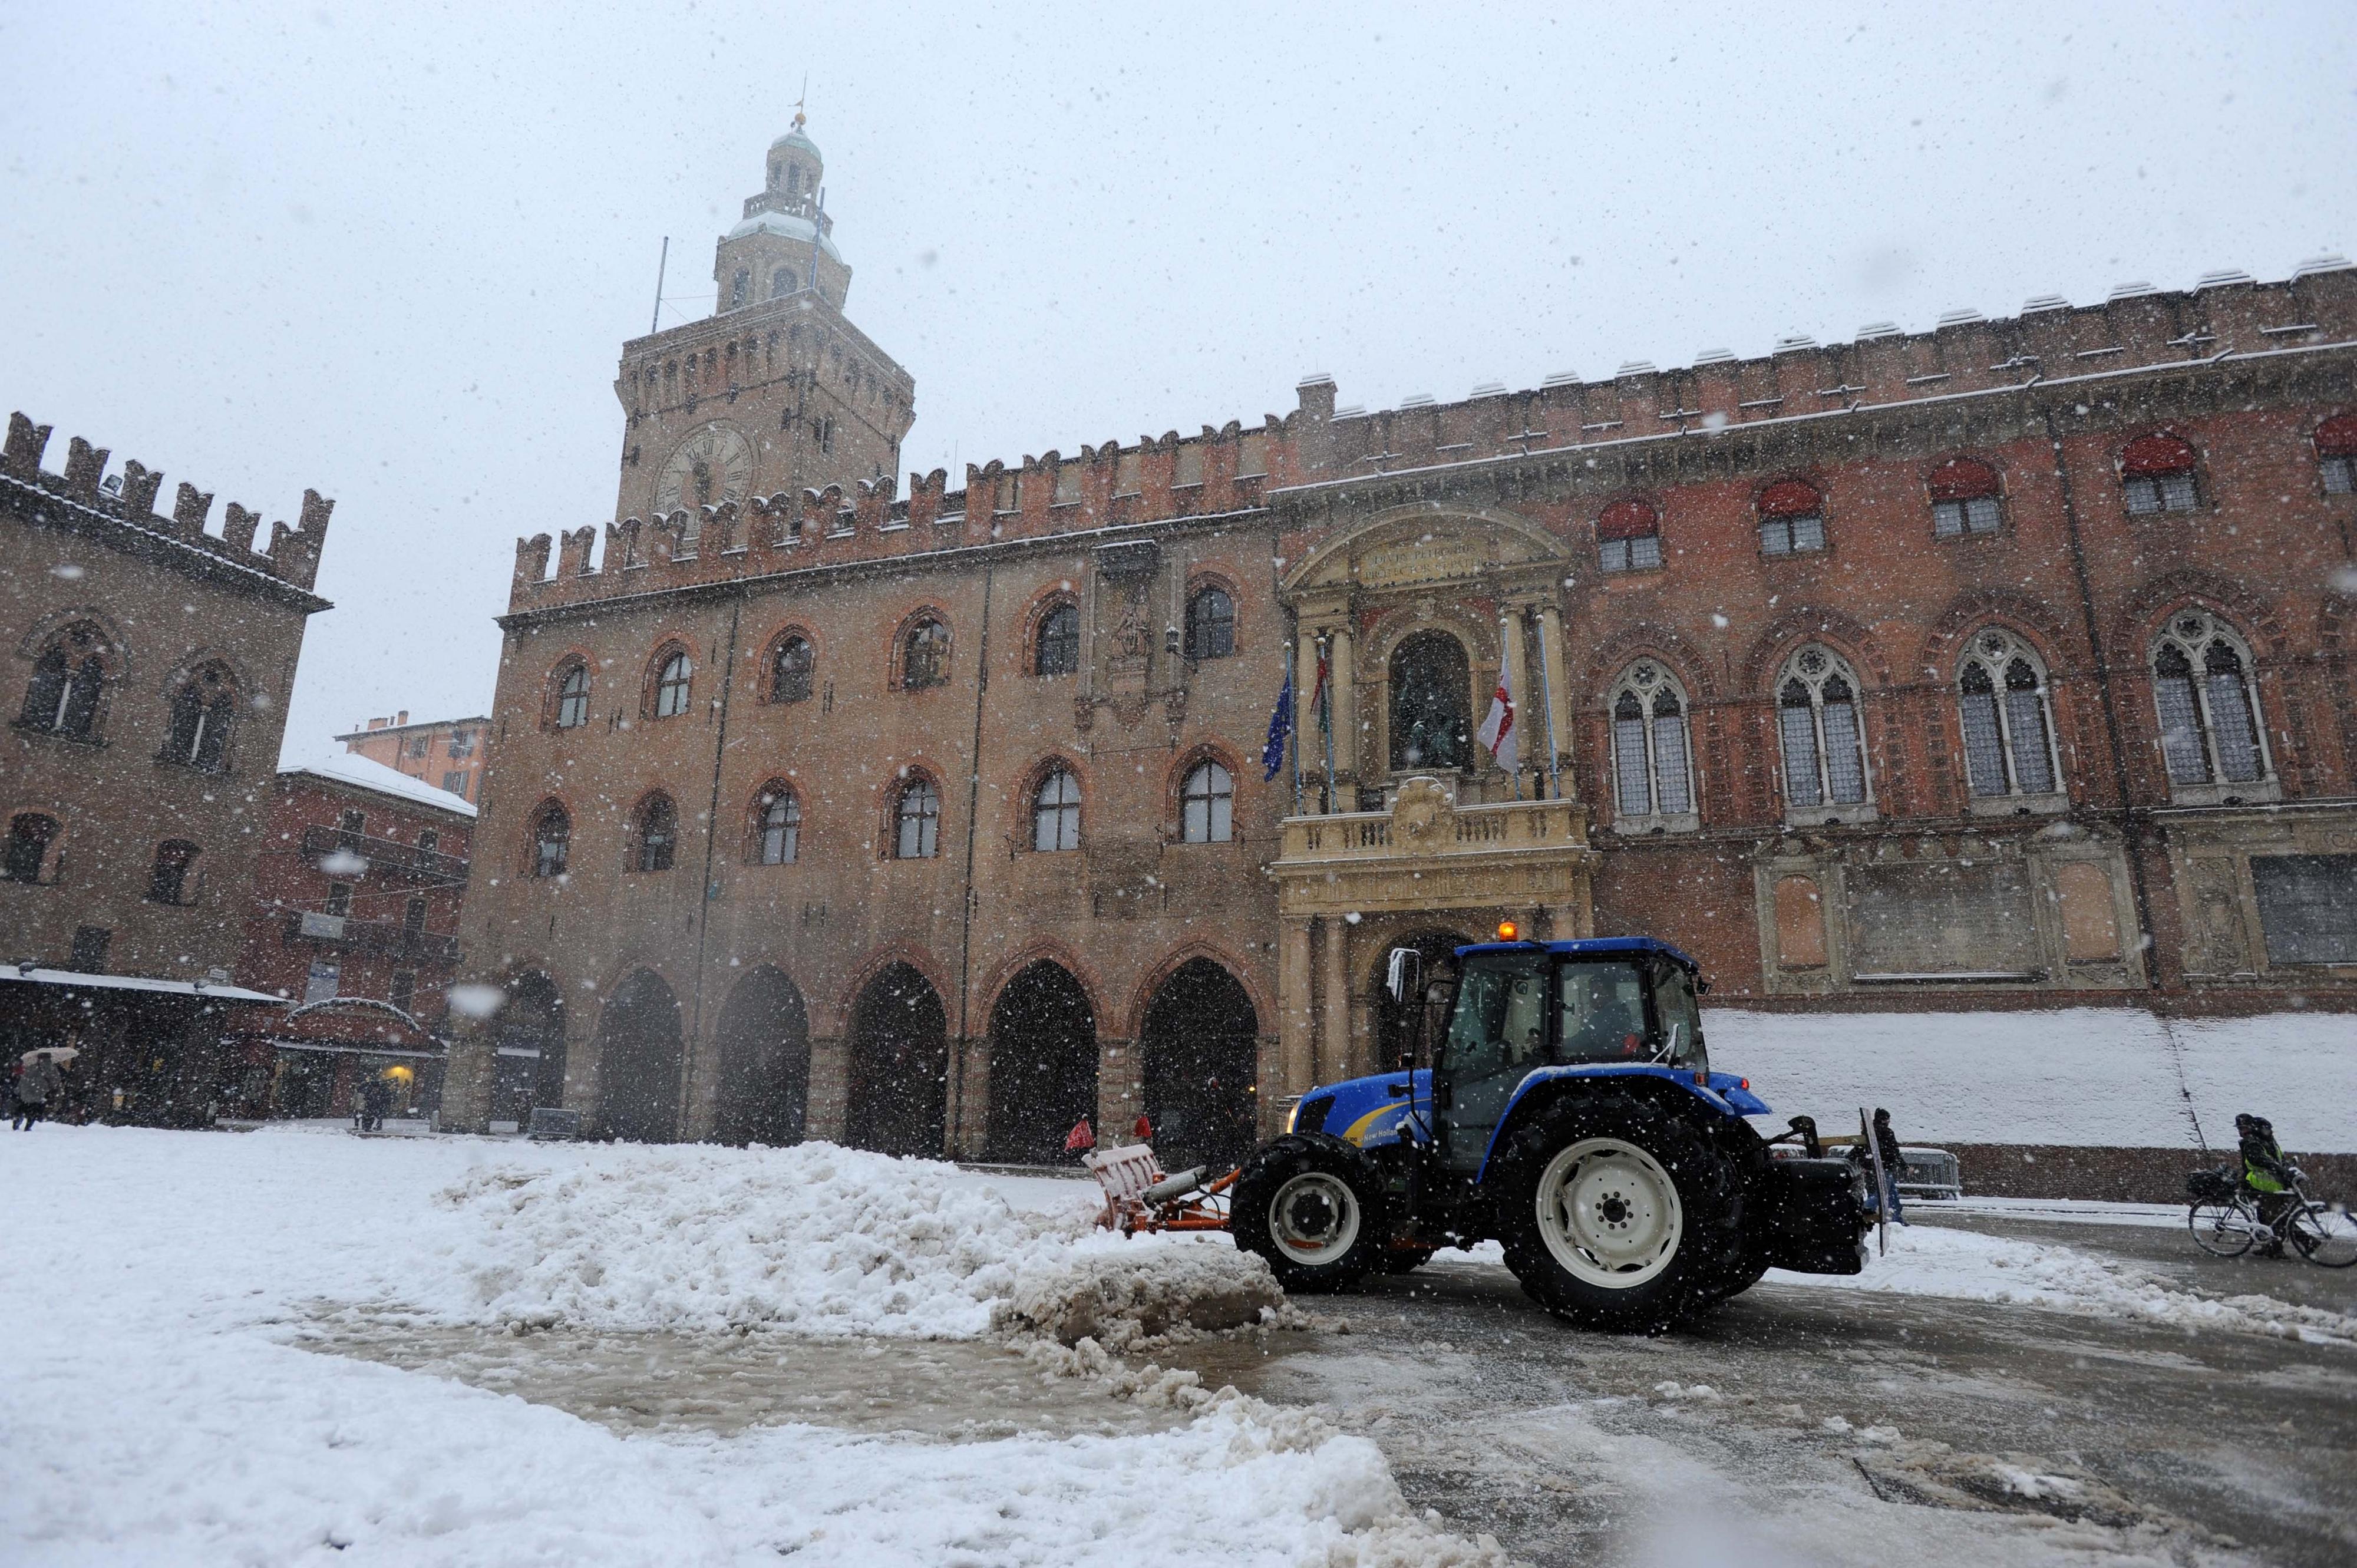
pixel 765 1058
pixel 638 1061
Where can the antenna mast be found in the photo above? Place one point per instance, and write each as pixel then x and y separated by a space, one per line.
pixel 656 325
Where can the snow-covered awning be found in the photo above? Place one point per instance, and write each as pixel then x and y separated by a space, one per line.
pixel 210 990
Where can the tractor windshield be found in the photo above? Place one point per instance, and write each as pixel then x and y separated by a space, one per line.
pixel 1603 1014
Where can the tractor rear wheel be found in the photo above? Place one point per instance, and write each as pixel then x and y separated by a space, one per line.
pixel 1613 1212
pixel 1313 1206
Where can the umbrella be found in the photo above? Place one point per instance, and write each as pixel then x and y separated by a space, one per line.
pixel 55 1053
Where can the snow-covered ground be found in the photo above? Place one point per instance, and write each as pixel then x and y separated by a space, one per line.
pixel 156 1411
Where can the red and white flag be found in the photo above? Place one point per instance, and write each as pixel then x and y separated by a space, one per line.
pixel 1497 732
pixel 1082 1136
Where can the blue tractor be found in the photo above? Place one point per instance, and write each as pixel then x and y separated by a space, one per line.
pixel 1564 1107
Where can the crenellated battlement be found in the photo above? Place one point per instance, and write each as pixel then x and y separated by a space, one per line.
pixel 1238 467
pixel 293 557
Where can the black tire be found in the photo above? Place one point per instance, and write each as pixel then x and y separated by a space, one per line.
pixel 1313 1206
pixel 1617 1213
pixel 2322 1234
pixel 2219 1228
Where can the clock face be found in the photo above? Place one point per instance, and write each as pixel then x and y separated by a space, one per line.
pixel 712 466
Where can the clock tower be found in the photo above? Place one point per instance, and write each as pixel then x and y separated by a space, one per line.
pixel 776 390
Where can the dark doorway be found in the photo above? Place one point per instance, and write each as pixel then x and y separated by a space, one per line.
pixel 1043 1066
pixel 529 1034
pixel 764 1062
pixel 1432 703
pixel 1394 1022
pixel 1202 1059
pixel 639 1062
pixel 900 1067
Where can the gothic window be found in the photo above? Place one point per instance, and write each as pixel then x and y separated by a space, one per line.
pixel 203 710
pixel 781 283
pixel 656 834
pixel 1206 805
pixel 552 841
pixel 1652 767
pixel 1210 624
pixel 29 836
pixel 792 664
pixel 2008 723
pixel 167 878
pixel 739 288
pixel 1964 499
pixel 2335 455
pixel 672 682
pixel 2156 475
pixel 924 655
pixel 68 679
pixel 917 821
pixel 1056 811
pixel 1058 649
pixel 1431 702
pixel 1629 537
pixel 1824 744
pixel 2207 704
pixel 777 824
pixel 573 696
pixel 1792 519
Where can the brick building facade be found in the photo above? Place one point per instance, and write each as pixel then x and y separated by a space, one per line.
pixel 446 754
pixel 2001 666
pixel 150 661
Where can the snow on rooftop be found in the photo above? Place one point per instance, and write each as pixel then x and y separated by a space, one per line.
pixel 1791 341
pixel 2134 290
pixel 786 225
pixel 1561 379
pixel 2324 264
pixel 1713 357
pixel 350 768
pixel 1490 389
pixel 1635 368
pixel 1960 317
pixel 2221 278
pixel 1873 329
pixel 2038 302
pixel 1417 400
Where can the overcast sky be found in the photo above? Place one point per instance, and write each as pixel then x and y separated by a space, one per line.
pixel 393 253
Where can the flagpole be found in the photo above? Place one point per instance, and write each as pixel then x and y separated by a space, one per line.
pixel 1546 695
pixel 1293 727
pixel 1325 718
pixel 1508 641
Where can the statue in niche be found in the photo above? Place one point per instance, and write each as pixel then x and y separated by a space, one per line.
pixel 1132 638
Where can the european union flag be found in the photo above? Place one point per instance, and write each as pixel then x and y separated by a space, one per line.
pixel 1280 728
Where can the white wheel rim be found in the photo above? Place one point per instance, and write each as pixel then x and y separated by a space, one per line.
pixel 1610 1213
pixel 1314 1219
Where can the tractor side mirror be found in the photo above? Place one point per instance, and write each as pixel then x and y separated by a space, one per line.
pixel 1404 975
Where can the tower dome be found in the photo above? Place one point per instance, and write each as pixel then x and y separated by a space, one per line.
pixel 785 244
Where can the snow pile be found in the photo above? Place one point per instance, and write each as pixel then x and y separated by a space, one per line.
pixel 1929 1260
pixel 816 1240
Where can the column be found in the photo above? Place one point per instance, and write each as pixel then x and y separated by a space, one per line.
pixel 1346 707
pixel 1308 750
pixel 1560 691
pixel 827 1109
pixel 1334 1022
pixel 1121 1090
pixel 1293 1007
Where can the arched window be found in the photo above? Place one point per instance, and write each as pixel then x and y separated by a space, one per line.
pixel 1056 811
pixel 1792 519
pixel 1206 805
pixel 2335 455
pixel 925 655
pixel 1652 765
pixel 777 824
pixel 657 834
pixel 739 289
pixel 1824 745
pixel 2209 707
pixel 672 683
pixel 2156 474
pixel 1964 499
pixel 68 680
pixel 203 710
pixel 1431 706
pixel 781 283
pixel 1210 624
pixel 552 841
pixel 167 879
pixel 2008 726
pixel 791 663
pixel 573 696
pixel 917 821
pixel 1629 537
pixel 29 836
pixel 1058 649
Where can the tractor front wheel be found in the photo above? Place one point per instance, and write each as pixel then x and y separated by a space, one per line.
pixel 1614 1214
pixel 1313 1206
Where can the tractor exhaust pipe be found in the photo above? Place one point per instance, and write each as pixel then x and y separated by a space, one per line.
pixel 1170 1188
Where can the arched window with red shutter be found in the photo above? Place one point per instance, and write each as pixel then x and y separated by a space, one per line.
pixel 2156 475
pixel 1964 499
pixel 1792 519
pixel 1629 537
pixel 2335 455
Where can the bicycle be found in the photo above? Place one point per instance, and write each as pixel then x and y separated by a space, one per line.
pixel 2226 1223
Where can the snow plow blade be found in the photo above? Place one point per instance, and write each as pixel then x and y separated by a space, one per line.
pixel 1811 1216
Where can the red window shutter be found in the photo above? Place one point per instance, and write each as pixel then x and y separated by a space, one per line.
pixel 1627 520
pixel 1962 480
pixel 2337 438
pixel 2157 455
pixel 1790 498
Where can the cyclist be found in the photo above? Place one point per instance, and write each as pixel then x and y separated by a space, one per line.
pixel 2267 1175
